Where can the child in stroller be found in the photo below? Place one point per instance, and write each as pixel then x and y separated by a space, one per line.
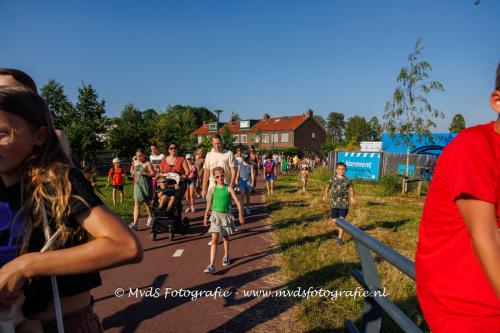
pixel 167 205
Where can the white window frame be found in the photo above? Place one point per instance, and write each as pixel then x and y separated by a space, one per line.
pixel 212 127
pixel 284 137
pixel 236 138
pixel 275 137
pixel 256 138
pixel 265 138
pixel 243 138
pixel 313 136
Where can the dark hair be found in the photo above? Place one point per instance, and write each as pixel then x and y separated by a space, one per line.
pixel 154 144
pixel 20 77
pixel 173 143
pixel 140 150
pixel 341 164
pixel 217 136
pixel 498 78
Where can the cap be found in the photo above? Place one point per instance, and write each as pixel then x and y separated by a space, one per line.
pixel 189 156
pixel 246 156
pixel 116 160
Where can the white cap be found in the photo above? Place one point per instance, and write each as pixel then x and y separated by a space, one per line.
pixel 189 156
pixel 116 160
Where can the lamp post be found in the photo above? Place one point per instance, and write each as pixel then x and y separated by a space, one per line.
pixel 218 117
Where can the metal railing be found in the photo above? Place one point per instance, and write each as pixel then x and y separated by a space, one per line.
pixel 369 279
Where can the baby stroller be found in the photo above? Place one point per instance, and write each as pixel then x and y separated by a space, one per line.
pixel 165 220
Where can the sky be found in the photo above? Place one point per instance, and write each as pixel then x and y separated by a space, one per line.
pixel 256 57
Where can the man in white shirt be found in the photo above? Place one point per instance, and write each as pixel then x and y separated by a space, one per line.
pixel 218 157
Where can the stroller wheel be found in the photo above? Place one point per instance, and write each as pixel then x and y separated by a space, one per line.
pixel 172 235
pixel 185 224
pixel 153 236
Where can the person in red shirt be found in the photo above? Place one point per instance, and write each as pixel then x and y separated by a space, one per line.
pixel 117 175
pixel 458 253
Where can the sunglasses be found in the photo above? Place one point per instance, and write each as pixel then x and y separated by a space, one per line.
pixel 219 176
pixel 162 182
pixel 172 148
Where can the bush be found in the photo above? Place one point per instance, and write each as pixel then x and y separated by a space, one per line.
pixel 389 184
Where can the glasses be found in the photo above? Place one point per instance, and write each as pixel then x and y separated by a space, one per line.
pixel 219 176
pixel 161 182
pixel 7 134
pixel 172 148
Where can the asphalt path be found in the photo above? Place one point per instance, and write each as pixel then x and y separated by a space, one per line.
pixel 136 298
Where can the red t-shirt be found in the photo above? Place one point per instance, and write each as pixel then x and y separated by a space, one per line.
pixel 451 284
pixel 118 175
pixel 178 166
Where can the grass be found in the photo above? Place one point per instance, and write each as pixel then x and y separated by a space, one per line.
pixel 311 258
pixel 125 210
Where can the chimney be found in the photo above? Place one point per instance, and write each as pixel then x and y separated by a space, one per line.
pixel 308 113
pixel 266 117
pixel 205 123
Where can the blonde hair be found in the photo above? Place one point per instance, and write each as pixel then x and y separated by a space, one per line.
pixel 45 184
pixel 218 169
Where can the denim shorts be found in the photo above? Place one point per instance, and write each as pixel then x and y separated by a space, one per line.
pixel 245 185
pixel 339 212
pixel 270 177
pixel 190 182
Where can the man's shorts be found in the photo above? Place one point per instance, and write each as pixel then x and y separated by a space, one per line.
pixel 270 177
pixel 339 212
pixel 245 185
pixel 118 187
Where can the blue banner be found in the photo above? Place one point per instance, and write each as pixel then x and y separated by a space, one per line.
pixel 360 165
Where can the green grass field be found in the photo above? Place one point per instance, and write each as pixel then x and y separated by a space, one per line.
pixel 125 210
pixel 311 258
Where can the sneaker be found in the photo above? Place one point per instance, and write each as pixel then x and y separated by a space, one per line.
pixel 209 270
pixel 150 222
pixel 247 211
pixel 133 226
pixel 340 242
pixel 192 209
pixel 226 261
pixel 187 210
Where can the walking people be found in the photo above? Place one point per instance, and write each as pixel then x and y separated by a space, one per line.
pixel 284 164
pixel 155 158
pixel 304 175
pixel 245 178
pixel 191 183
pixel 221 220
pixel 116 176
pixel 199 161
pixel 342 196
pixel 143 188
pixel 255 160
pixel 295 162
pixel 269 173
pixel 458 253
pixel 174 163
pixel 41 190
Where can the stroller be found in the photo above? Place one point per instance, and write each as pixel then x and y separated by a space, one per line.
pixel 165 220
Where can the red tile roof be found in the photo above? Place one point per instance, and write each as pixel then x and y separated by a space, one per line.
pixel 272 124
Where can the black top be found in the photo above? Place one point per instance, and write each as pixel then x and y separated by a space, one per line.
pixel 38 291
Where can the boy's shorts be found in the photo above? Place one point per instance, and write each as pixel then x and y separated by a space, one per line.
pixel 118 187
pixel 339 212
pixel 270 177
pixel 245 185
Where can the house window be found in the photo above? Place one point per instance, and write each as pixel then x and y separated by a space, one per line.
pixel 256 138
pixel 244 124
pixel 212 127
pixel 275 137
pixel 284 137
pixel 200 139
pixel 236 139
pixel 313 136
pixel 265 138
pixel 243 138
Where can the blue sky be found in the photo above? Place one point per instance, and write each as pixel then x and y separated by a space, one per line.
pixel 256 57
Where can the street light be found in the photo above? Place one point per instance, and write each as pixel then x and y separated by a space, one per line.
pixel 218 117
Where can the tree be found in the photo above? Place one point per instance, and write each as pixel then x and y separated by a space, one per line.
pixel 357 130
pixel 375 129
pixel 234 117
pixel 320 120
pixel 227 137
pixel 335 126
pixel 410 112
pixel 87 125
pixel 457 123
pixel 60 107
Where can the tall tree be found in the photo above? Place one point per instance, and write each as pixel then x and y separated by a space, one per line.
pixel 335 126
pixel 88 124
pixel 457 123
pixel 375 129
pixel 357 130
pixel 60 107
pixel 410 112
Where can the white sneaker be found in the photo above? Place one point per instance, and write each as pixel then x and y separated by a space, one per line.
pixel 150 222
pixel 187 210
pixel 192 209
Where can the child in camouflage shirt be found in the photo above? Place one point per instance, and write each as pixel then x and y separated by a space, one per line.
pixel 342 196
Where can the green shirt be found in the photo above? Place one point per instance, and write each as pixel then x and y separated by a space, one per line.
pixel 221 200
pixel 340 192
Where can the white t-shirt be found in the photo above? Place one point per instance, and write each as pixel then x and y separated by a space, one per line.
pixel 224 159
pixel 156 159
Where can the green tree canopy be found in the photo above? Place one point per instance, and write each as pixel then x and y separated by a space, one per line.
pixel 60 107
pixel 376 129
pixel 357 130
pixel 457 123
pixel 335 126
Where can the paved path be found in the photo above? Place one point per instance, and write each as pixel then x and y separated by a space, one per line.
pixel 179 264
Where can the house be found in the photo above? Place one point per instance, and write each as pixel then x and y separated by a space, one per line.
pixel 302 132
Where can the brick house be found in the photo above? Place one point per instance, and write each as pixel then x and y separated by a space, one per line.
pixel 302 132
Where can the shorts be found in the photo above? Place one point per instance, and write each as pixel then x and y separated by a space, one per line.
pixel 80 321
pixel 118 187
pixel 270 177
pixel 190 182
pixel 339 212
pixel 245 185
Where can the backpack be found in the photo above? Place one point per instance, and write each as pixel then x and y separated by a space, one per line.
pixel 269 166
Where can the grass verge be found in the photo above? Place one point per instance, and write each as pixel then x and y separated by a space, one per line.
pixel 311 258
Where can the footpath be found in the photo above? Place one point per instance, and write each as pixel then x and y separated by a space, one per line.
pixel 168 291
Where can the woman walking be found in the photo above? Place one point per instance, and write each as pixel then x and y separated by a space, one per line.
pixel 191 183
pixel 143 189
